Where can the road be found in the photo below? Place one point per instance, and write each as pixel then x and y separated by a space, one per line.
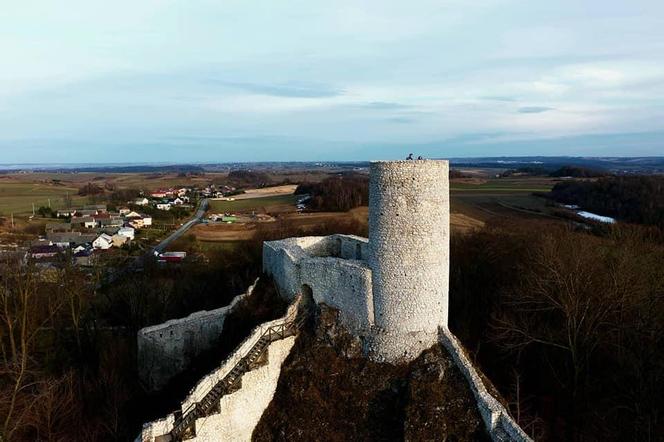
pixel 200 212
pixel 137 264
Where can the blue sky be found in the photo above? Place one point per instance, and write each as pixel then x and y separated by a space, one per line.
pixel 244 80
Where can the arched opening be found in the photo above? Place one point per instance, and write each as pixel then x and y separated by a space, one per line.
pixel 308 304
pixel 307 296
pixel 358 251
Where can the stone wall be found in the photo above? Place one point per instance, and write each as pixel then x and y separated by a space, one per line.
pixel 240 411
pixel 499 423
pixel 330 268
pixel 408 255
pixel 166 349
pixel 344 285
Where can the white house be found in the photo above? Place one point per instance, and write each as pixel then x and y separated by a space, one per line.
pixel 127 231
pixel 132 214
pixel 147 220
pixel 141 201
pixel 166 206
pixel 177 201
pixel 124 210
pixel 103 242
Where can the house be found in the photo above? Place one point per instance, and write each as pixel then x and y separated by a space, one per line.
pixel 58 227
pixel 85 257
pixel 111 222
pixel 136 223
pixel 119 240
pixel 132 214
pixel 147 220
pixel 164 206
pixel 141 201
pixel 66 213
pixel 103 242
pixel 127 231
pixel 124 211
pixel 100 208
pixel 63 239
pixel 84 221
pixel 177 202
pixel 86 212
pixel 44 251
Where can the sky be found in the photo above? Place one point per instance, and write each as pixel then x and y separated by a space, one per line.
pixel 88 81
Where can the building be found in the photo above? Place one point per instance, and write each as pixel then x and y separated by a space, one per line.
pixel 66 213
pixel 44 251
pixel 390 289
pixel 87 222
pixel 128 232
pixel 103 242
pixel 119 240
pixel 141 202
pixel 164 206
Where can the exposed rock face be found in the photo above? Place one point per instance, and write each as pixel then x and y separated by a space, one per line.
pixel 328 391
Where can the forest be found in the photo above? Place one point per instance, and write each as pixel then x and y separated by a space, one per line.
pixel 635 199
pixel 568 325
pixel 338 193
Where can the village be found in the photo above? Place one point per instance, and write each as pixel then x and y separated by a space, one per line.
pixel 82 235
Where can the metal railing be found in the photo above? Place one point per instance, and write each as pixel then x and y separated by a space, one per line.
pixel 184 421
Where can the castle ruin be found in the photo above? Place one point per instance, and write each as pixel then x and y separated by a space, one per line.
pixel 392 290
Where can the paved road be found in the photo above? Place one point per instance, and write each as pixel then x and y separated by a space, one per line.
pixel 200 212
pixel 138 262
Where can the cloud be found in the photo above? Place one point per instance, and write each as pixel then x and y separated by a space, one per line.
pixel 534 109
pixel 384 105
pixel 301 90
pixel 401 120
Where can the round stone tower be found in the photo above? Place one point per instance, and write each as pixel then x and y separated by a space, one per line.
pixel 409 231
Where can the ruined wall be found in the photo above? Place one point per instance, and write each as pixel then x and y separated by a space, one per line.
pixel 241 410
pixel 344 285
pixel 408 255
pixel 330 267
pixel 166 349
pixel 499 423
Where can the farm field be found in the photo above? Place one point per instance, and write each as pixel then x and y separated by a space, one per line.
pixel 18 197
pixel 263 204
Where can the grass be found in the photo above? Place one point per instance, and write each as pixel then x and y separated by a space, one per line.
pixel 18 198
pixel 251 203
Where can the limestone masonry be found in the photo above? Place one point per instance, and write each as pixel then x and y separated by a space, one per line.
pixel 391 290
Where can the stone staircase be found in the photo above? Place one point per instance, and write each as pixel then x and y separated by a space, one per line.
pixel 184 426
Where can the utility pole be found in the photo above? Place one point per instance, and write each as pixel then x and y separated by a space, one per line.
pixel 12 220
pixel 49 203
pixel 33 209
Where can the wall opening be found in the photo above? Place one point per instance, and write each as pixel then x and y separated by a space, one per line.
pixel 358 251
pixel 339 249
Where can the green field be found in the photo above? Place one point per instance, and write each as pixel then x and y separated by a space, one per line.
pixel 502 186
pixel 251 203
pixel 18 198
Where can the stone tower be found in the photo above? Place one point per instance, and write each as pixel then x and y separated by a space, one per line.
pixel 409 231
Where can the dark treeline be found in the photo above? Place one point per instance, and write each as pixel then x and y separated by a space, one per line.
pixel 569 327
pixel 637 199
pixel 338 193
pixel 248 178
pixel 578 172
pixel 564 171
